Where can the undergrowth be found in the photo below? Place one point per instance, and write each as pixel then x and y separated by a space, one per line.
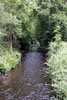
pixel 58 68
pixel 8 61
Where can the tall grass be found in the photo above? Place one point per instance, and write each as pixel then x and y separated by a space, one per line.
pixel 58 68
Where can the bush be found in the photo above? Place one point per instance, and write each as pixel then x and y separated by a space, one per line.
pixel 58 68
pixel 9 61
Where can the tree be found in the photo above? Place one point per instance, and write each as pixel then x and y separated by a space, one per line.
pixel 50 14
pixel 8 24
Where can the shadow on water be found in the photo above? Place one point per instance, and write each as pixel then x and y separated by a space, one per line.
pixel 28 81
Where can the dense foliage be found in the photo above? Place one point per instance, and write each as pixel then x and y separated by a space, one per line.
pixel 9 61
pixel 58 68
pixel 52 30
pixel 23 22
pixel 51 14
pixel 17 26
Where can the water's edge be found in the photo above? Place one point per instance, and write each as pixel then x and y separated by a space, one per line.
pixel 28 81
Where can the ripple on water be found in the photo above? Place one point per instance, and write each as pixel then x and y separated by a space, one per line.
pixel 28 82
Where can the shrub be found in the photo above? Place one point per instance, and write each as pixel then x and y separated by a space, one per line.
pixel 9 61
pixel 58 68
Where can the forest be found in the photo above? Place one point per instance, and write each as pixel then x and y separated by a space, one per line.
pixel 24 22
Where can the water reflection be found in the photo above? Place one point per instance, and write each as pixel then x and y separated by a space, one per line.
pixel 28 81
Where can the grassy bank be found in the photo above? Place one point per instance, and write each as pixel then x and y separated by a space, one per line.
pixel 58 68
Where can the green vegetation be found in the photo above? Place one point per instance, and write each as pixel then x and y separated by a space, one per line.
pixel 52 35
pixel 51 14
pixel 17 29
pixel 9 61
pixel 58 68
pixel 23 22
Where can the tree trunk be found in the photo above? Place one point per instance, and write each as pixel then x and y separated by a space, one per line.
pixel 10 43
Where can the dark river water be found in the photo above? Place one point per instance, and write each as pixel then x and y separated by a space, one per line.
pixel 28 81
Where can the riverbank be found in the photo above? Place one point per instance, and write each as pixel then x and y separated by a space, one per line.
pixel 57 63
pixel 28 81
pixel 9 61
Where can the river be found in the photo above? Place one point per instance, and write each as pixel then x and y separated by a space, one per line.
pixel 29 81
